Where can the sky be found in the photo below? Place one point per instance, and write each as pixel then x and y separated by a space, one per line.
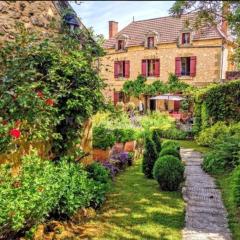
pixel 96 14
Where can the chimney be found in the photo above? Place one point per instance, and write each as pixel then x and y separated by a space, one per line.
pixel 113 28
pixel 225 12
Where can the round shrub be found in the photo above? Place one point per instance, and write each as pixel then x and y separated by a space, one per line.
pixel 170 143
pixel 168 171
pixel 170 151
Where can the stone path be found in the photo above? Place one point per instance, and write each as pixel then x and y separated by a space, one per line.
pixel 206 217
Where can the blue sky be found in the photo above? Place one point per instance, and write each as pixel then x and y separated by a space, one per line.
pixel 96 14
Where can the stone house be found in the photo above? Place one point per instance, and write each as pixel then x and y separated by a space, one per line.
pixel 156 47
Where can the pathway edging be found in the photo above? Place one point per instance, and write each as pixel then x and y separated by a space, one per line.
pixel 206 216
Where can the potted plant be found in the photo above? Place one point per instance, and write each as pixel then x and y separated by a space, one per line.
pixel 103 140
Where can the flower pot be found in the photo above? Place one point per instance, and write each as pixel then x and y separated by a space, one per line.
pixel 130 146
pixel 100 154
pixel 118 148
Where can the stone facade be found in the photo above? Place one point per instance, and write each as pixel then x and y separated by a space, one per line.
pixel 41 16
pixel 208 67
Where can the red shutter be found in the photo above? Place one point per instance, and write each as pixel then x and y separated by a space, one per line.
pixel 116 69
pixel 157 68
pixel 144 68
pixel 115 97
pixel 176 106
pixel 193 63
pixel 127 69
pixel 178 66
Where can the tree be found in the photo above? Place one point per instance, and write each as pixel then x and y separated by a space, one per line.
pixel 212 13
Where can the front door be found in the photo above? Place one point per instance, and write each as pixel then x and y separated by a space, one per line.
pixel 152 105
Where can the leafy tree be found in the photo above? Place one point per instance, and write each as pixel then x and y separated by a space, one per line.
pixel 212 12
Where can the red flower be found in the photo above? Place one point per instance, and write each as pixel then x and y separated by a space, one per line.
pixel 17 123
pixel 15 133
pixel 49 102
pixel 40 94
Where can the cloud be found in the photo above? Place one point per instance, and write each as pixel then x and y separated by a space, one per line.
pixel 98 13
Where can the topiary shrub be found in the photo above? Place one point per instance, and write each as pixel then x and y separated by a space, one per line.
pixel 170 143
pixel 170 151
pixel 149 157
pixel 156 139
pixel 168 171
pixel 236 186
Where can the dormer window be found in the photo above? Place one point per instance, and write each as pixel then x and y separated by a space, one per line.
pixel 186 38
pixel 120 44
pixel 150 42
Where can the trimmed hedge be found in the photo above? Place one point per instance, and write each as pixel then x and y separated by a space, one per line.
pixel 217 103
pixel 168 171
pixel 170 143
pixel 171 150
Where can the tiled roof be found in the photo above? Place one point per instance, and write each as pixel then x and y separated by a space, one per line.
pixel 168 29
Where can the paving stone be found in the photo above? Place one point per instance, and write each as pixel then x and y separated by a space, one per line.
pixel 206 216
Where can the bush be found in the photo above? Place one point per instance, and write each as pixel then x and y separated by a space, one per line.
pixel 103 138
pixel 209 136
pixel 225 155
pixel 101 182
pixel 78 190
pixel 149 157
pixel 174 133
pixel 156 139
pixel 168 171
pixel 170 151
pixel 26 199
pixel 169 143
pixel 124 135
pixel 236 186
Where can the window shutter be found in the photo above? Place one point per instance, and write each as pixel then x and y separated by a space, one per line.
pixel 115 97
pixel 157 68
pixel 116 69
pixel 193 63
pixel 144 68
pixel 127 69
pixel 182 38
pixel 178 66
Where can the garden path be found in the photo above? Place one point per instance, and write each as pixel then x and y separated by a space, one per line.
pixel 206 217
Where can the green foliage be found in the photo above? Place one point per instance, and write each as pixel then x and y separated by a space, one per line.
pixel 103 137
pixel 150 155
pixel 217 103
pixel 171 144
pixel 171 150
pixel 236 186
pixel 215 133
pixel 101 182
pixel 168 171
pixel 174 133
pixel 27 198
pixel 225 155
pixel 156 139
pixel 50 85
pixel 124 135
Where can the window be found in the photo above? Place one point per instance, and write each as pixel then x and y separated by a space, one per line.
pixel 185 66
pixel 120 44
pixel 122 69
pixel 119 96
pixel 185 38
pixel 151 67
pixel 150 42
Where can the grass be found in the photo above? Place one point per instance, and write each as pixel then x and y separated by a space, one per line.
pixel 137 209
pixel 224 182
pixel 192 144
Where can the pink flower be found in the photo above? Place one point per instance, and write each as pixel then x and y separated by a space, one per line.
pixel 40 94
pixel 15 133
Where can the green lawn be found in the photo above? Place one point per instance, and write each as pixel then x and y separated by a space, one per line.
pixel 224 181
pixel 192 144
pixel 137 209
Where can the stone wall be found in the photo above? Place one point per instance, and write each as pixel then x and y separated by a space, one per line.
pixel 42 16
pixel 208 53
